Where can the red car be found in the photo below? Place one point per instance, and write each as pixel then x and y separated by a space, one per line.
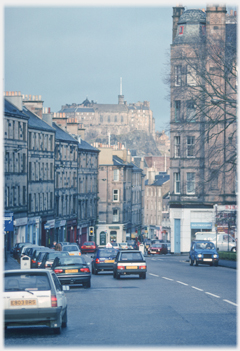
pixel 158 248
pixel 88 246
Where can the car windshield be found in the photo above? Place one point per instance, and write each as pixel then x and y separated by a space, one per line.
pixel 131 256
pixel 70 248
pixel 65 261
pixel 23 282
pixel 108 252
pixel 205 246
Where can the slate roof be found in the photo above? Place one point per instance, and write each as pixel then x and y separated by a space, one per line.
pixel 62 135
pixel 76 109
pixel 85 146
pixel 36 122
pixel 160 179
pixel 12 110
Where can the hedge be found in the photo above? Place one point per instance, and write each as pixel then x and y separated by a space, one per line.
pixel 227 255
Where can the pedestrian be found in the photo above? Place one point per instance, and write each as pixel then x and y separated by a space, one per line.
pixel 58 247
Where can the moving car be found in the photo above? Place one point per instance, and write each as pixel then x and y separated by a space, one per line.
pixel 123 246
pixel 129 262
pixel 157 248
pixel 88 246
pixel 72 271
pixel 34 297
pixel 103 260
pixel 49 257
pixel 132 244
pixel 72 249
pixel 203 251
pixel 35 254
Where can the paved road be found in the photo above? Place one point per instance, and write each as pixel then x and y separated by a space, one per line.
pixel 177 305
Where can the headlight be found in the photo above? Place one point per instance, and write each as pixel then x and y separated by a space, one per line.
pixel 199 255
pixel 215 256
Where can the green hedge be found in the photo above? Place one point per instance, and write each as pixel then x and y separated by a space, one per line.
pixel 227 255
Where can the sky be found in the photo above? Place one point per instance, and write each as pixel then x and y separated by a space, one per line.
pixel 70 51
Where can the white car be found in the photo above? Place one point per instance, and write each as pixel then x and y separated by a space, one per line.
pixel 72 249
pixel 34 297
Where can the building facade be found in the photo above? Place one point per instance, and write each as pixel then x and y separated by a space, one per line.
pixel 203 132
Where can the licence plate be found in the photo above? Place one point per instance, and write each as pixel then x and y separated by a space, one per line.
pixel 71 270
pixel 88 247
pixel 131 267
pixel 23 302
pixel 109 261
pixel 207 259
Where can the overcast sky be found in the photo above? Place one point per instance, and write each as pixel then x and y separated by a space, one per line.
pixel 68 53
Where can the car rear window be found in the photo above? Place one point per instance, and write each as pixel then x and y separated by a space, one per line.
pixel 70 248
pixel 107 253
pixel 29 281
pixel 131 256
pixel 65 261
pixel 89 243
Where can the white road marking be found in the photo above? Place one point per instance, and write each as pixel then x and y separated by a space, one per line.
pixel 232 303
pixel 167 278
pixel 181 282
pixel 212 295
pixel 155 275
pixel 194 287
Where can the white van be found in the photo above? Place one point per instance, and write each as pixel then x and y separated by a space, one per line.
pixel 224 241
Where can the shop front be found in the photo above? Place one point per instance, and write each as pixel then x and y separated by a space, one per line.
pixel 72 231
pixel 60 231
pixel 48 237
pixel 33 230
pixel 20 230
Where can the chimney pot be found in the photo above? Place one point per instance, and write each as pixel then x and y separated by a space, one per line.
pixel 49 110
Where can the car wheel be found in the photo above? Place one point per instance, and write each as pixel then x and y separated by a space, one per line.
pixel 87 285
pixel 64 321
pixel 114 274
pixel 142 275
pixel 57 330
pixel 95 271
pixel 118 276
pixel 215 264
pixel 191 262
pixel 196 262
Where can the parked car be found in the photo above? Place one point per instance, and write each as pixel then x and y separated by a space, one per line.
pixel 129 262
pixel 203 251
pixel 72 271
pixel 103 260
pixel 24 250
pixel 132 244
pixel 123 246
pixel 157 248
pixel 49 257
pixel 35 254
pixel 34 297
pixel 17 249
pixel 88 246
pixel 72 249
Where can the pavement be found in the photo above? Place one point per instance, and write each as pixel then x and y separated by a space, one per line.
pixel 11 263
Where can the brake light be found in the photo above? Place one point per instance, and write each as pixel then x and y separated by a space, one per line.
pixel 97 260
pixel 85 270
pixel 58 270
pixel 33 261
pixel 54 300
pixel 39 263
pixel 82 247
pixel 142 267
pixel 120 267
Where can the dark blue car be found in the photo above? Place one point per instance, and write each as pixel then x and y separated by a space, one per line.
pixel 203 251
pixel 103 260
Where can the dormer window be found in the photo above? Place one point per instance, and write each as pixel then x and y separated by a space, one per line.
pixel 181 30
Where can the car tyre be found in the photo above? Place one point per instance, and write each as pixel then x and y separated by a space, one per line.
pixel 143 275
pixel 191 262
pixel 196 262
pixel 95 271
pixel 215 264
pixel 114 274
pixel 64 321
pixel 118 276
pixel 87 285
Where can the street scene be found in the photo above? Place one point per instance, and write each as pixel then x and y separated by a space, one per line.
pixel 176 305
pixel 120 213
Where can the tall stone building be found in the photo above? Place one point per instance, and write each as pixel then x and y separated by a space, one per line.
pixel 203 120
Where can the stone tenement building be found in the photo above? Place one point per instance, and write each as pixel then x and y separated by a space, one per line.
pixel 203 120
pixel 104 119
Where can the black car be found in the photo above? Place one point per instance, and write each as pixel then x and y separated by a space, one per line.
pixel 129 262
pixel 35 254
pixel 72 271
pixel 17 248
pixel 132 244
pixel 103 260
